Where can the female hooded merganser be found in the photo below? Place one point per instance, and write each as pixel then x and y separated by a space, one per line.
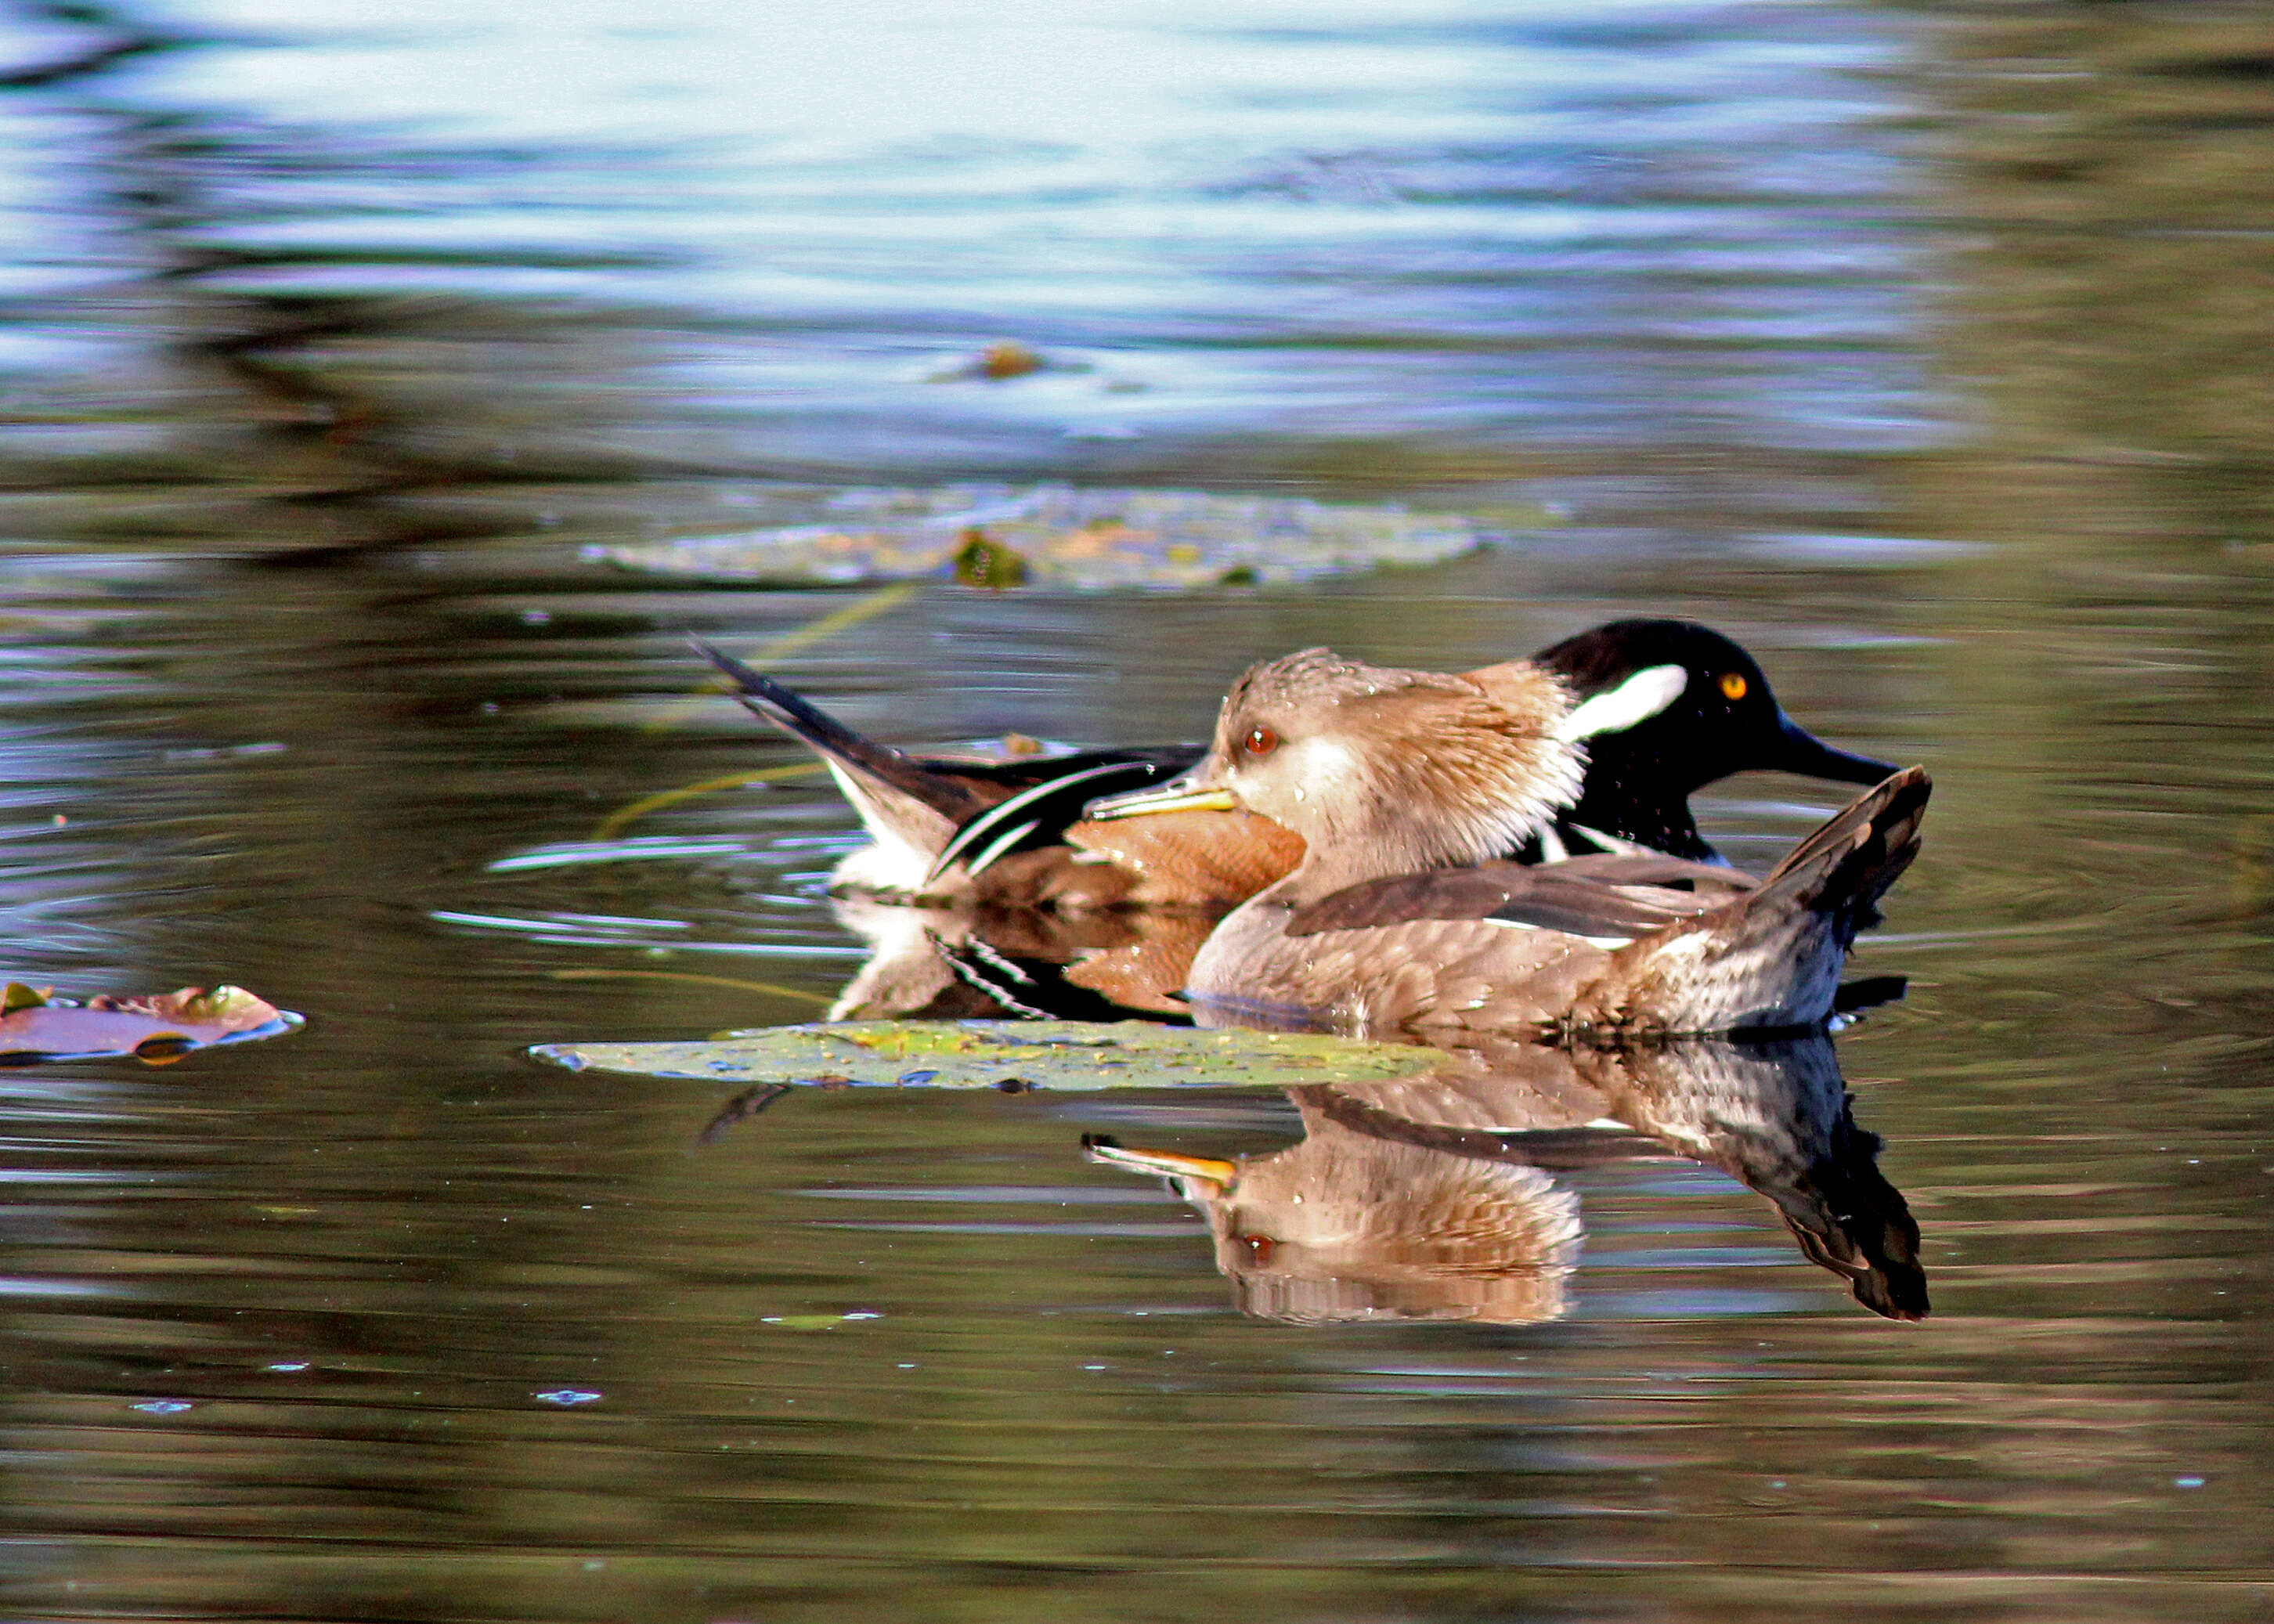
pixel 1662 707
pixel 1406 788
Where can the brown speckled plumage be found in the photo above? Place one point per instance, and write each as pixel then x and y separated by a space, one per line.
pixel 1372 744
pixel 1383 772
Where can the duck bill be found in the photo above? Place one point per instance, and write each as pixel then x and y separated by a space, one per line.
pixel 1798 751
pixel 1181 795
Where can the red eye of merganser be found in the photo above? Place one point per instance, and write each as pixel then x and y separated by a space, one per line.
pixel 1259 742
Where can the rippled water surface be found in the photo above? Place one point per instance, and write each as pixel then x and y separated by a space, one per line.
pixel 1921 349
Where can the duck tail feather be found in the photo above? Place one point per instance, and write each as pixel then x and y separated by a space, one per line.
pixel 1849 862
pixel 861 762
pixel 1769 961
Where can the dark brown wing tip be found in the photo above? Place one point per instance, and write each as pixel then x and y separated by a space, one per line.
pixel 1862 847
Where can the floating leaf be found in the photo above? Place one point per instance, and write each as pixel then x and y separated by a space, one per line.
pixel 156 1028
pixel 809 1322
pixel 999 1053
pixel 228 1007
pixel 1055 534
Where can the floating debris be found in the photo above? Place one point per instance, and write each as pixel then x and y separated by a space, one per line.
pixel 156 1028
pixel 1053 535
pixel 983 562
pixel 1005 359
pixel 814 1322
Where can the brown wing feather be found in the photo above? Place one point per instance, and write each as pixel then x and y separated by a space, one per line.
pixel 1605 896
pixel 1417 975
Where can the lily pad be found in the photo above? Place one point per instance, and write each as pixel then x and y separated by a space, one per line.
pixel 157 1027
pixel 998 1054
pixel 813 1322
pixel 1055 534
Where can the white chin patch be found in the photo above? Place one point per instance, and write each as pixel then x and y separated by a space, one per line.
pixel 1638 699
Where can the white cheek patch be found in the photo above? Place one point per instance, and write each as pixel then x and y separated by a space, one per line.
pixel 1638 699
pixel 1325 766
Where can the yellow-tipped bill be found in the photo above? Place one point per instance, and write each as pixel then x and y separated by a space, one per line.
pixel 1178 796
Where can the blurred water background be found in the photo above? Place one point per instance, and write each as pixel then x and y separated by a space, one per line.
pixel 1922 347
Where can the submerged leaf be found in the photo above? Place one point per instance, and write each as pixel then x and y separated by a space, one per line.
pixel 1000 536
pixel 983 562
pixel 998 1054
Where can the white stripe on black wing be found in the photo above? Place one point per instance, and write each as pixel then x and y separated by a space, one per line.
pixel 1054 802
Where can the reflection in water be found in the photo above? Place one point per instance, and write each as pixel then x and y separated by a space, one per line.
pixel 941 963
pixel 1352 1225
pixel 2108 296
pixel 1433 1197
pixel 740 245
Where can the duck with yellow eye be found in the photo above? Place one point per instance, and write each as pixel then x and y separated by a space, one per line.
pixel 1406 788
pixel 1698 709
pixel 1662 708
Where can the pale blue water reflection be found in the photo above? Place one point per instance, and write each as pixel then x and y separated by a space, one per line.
pixel 1418 223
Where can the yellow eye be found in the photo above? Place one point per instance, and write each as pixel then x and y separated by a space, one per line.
pixel 1733 684
pixel 1259 742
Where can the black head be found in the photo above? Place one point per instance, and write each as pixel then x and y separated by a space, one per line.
pixel 1684 704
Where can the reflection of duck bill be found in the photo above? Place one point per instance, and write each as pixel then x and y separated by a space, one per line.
pixel 1212 1176
pixel 1343 1227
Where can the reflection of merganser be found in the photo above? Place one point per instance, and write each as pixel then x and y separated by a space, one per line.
pixel 1433 1197
pixel 951 963
pixel 1406 786
pixel 1662 708
pixel 1350 1226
